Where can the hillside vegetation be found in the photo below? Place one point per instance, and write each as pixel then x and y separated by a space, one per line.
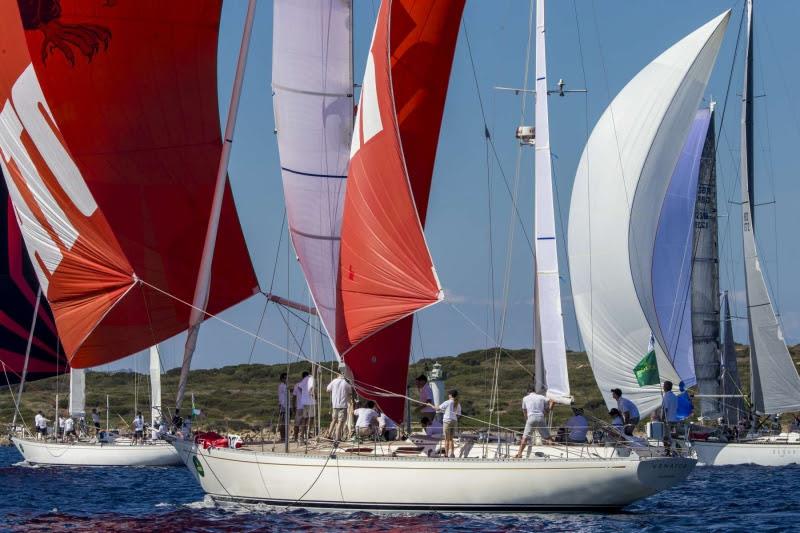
pixel 241 397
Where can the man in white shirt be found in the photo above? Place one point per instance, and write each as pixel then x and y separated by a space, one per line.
pixel 297 392
pixel 628 411
pixel 386 427
pixel 427 409
pixel 669 414
pixel 341 393
pixel 283 403
pixel 41 426
pixel 69 429
pixel 138 428
pixel 307 394
pixel 367 420
pixel 576 427
pixel 61 426
pixel 534 406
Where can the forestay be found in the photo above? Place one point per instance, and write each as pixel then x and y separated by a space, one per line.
pixel 110 144
pixel 386 272
pixel 674 253
pixel 619 188
pixel 312 84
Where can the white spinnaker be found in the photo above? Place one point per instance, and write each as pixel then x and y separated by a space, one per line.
pixel 77 392
pixel 551 355
pixel 155 387
pixel 312 83
pixel 619 187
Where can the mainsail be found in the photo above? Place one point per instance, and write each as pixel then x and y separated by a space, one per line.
pixel 551 354
pixel 673 253
pixel 619 188
pixel 110 143
pixel 312 84
pixel 385 271
pixel 705 324
pixel 19 292
pixel 775 384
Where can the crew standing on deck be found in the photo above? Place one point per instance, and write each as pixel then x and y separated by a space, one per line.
pixel 283 403
pixel 427 409
pixel 341 392
pixel 95 421
pixel 669 414
pixel 41 426
pixel 307 393
pixel 534 406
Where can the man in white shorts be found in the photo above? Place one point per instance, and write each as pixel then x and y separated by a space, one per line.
pixel 535 407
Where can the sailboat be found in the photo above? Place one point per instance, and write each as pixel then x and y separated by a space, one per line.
pixel 385 274
pixel 108 450
pixel 774 381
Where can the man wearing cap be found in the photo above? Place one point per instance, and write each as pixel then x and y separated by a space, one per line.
pixel 341 392
pixel 628 409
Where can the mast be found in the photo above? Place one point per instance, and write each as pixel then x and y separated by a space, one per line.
pixel 27 356
pixel 705 280
pixel 551 358
pixel 729 386
pixel 203 285
pixel 774 382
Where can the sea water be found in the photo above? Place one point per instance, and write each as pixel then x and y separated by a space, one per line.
pixel 723 499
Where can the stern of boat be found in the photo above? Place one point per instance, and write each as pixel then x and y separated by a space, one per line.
pixel 660 473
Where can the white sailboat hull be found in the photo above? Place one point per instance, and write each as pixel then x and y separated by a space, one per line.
pixel 422 484
pixel 86 454
pixel 769 452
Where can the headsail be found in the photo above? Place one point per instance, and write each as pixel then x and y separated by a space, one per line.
pixel 110 143
pixel 775 384
pixel 312 84
pixel 386 272
pixel 620 185
pixel 673 253
pixel 551 352
pixel 19 290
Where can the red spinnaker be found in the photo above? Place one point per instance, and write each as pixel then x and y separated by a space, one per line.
pixel 18 289
pixel 386 272
pixel 110 142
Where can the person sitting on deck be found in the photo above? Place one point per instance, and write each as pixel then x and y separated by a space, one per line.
pixel 138 428
pixel 616 419
pixel 431 429
pixel 367 421
pixel 576 428
pixel 386 427
pixel 628 410
pixel 534 406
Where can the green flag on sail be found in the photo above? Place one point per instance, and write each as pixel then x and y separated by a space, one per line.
pixel 646 371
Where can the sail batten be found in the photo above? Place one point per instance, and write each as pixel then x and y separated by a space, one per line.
pixel 620 183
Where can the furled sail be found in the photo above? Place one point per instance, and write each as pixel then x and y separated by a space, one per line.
pixel 673 253
pixel 775 384
pixel 155 387
pixel 77 392
pixel 19 290
pixel 312 84
pixel 619 188
pixel 705 323
pixel 386 272
pixel 551 352
pixel 110 144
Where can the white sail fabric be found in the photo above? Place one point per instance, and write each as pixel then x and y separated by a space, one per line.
pixel 619 188
pixel 312 83
pixel 551 355
pixel 155 387
pixel 77 392
pixel 775 384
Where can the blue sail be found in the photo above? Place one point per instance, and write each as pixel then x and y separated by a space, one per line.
pixel 673 253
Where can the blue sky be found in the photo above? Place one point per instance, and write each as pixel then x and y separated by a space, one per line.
pixel 612 41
